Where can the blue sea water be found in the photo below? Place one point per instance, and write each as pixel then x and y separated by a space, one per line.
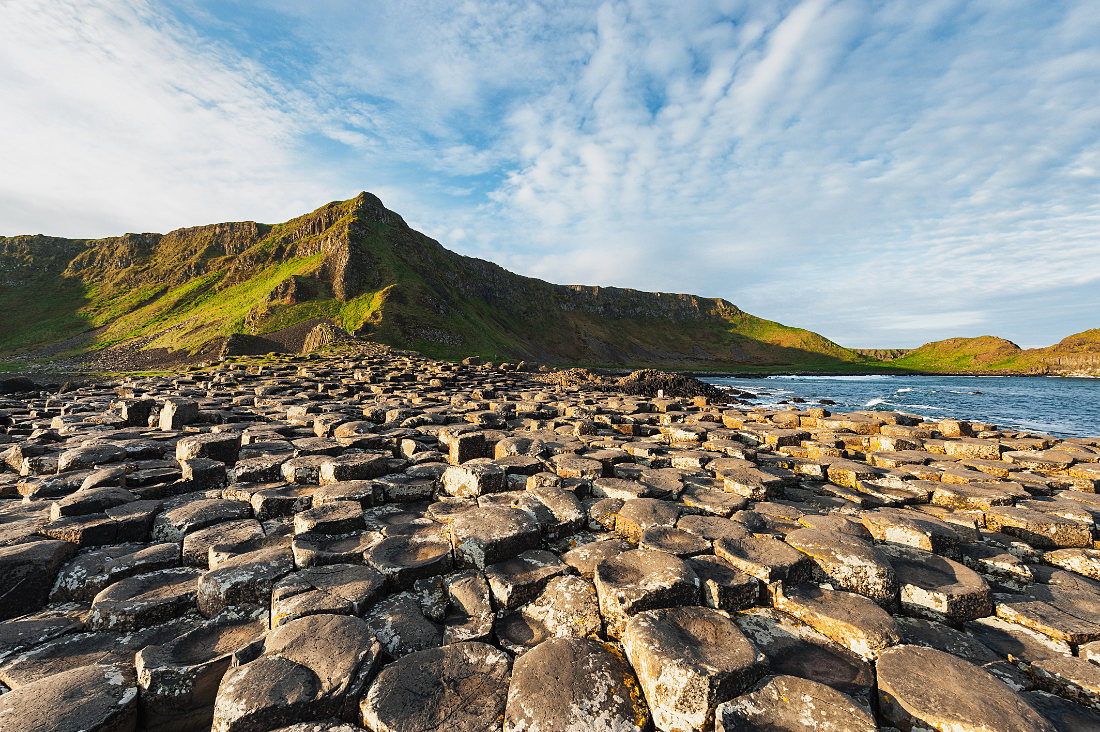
pixel 1049 405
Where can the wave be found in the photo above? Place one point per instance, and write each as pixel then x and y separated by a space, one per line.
pixel 854 377
pixel 903 390
pixel 875 401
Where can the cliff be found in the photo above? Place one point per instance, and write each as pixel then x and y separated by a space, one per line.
pixel 359 266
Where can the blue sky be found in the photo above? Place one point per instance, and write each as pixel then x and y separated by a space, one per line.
pixel 885 173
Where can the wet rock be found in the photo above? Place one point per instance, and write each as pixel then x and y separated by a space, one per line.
pixel 574 685
pixel 688 659
pixel 316 550
pixel 790 703
pixel 457 688
pixel 920 687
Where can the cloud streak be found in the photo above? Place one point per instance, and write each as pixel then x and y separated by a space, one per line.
pixel 884 174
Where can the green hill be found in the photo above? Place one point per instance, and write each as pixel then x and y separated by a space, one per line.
pixel 1075 355
pixel 359 266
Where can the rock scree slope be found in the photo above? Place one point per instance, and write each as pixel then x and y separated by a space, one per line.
pixel 366 539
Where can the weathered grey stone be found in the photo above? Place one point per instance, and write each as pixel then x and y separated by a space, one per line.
pixel 342 589
pixel 689 659
pixel 638 514
pixel 144 600
pixel 574 685
pixel 766 558
pixel 470 480
pixel 487 535
pixel 93 698
pixel 849 563
pixel 457 688
pixel 174 524
pixel 469 615
pixel 245 579
pixel 402 628
pixel 792 704
pixel 640 580
pixel 723 586
pixel 403 559
pixel 179 679
pixel 920 687
pixel 938 588
pixel 27 572
pixel 567 607
pixel 585 557
pixel 334 517
pixel 794 648
pixel 267 693
pixel 851 620
pixel 222 446
pixel 518 580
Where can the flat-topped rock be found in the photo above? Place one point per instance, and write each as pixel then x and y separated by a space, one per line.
pixel 688 659
pixel 921 687
pixel 457 688
pixel 640 580
pixel 574 685
pixel 851 620
pixel 848 562
pixel 793 704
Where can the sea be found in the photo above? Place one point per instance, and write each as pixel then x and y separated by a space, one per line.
pixel 1058 406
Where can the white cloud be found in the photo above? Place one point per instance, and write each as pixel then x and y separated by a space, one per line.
pixel 880 173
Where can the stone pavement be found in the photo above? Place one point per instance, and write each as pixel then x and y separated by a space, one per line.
pixel 368 539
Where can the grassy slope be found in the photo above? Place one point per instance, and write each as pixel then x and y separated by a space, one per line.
pixel 191 286
pixel 990 354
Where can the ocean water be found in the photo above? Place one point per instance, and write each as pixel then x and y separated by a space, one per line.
pixel 1048 405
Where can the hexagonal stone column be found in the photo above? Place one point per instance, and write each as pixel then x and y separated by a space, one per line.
pixel 688 660
pixel 574 685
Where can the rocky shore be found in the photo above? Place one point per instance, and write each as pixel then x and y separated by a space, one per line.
pixel 367 539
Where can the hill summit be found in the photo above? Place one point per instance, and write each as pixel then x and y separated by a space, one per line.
pixel 356 267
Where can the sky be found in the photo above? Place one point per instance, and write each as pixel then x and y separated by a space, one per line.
pixel 883 172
